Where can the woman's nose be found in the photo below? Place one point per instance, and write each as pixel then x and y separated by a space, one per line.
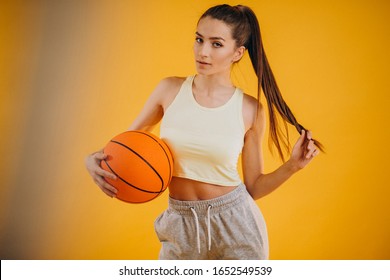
pixel 204 50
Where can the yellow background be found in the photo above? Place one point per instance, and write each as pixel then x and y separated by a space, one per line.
pixel 75 73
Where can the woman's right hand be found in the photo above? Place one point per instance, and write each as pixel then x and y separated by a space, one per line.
pixel 92 163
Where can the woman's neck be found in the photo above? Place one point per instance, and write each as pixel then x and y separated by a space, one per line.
pixel 213 83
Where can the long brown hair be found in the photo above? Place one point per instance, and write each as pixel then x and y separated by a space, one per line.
pixel 246 32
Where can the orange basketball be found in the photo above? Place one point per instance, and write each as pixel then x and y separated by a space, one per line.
pixel 142 163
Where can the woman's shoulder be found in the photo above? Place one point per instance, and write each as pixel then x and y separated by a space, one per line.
pixel 168 86
pixel 167 89
pixel 172 82
pixel 252 104
pixel 252 107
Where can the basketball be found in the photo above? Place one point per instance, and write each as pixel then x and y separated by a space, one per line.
pixel 142 163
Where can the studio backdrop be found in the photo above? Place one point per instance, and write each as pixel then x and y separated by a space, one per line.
pixel 75 73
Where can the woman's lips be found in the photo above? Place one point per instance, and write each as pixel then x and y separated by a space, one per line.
pixel 202 62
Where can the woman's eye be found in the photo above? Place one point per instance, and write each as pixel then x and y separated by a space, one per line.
pixel 217 44
pixel 199 40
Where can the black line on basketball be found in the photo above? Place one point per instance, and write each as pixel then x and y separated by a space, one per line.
pixel 141 157
pixel 169 162
pixel 123 180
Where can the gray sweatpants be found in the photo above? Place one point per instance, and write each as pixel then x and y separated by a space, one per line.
pixel 227 227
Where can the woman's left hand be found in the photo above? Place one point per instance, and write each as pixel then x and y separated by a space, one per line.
pixel 304 151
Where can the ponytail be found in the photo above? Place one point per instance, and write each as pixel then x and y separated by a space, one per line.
pixel 267 82
pixel 246 32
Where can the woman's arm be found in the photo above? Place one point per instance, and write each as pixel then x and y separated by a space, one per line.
pixel 258 183
pixel 158 101
pixel 149 116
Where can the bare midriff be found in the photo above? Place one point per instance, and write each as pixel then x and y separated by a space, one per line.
pixel 186 189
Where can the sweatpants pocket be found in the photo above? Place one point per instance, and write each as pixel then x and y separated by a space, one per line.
pixel 159 226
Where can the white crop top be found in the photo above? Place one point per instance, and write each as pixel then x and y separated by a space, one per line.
pixel 205 142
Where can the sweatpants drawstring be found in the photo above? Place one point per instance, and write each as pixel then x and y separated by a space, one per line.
pixel 197 227
pixel 208 225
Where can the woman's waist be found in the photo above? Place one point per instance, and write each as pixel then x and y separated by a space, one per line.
pixel 214 205
pixel 191 190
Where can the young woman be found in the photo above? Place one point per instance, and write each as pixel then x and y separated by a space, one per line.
pixel 208 123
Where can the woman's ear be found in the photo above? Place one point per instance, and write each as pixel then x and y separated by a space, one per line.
pixel 238 54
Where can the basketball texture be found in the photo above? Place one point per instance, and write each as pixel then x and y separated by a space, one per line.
pixel 142 163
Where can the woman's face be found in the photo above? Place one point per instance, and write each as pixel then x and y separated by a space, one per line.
pixel 214 48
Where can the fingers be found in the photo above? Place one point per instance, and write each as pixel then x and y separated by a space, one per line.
pixel 304 150
pixel 311 147
pixel 99 155
pixel 105 187
pixel 311 151
pixel 104 173
pixel 308 135
pixel 301 139
pixel 98 174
